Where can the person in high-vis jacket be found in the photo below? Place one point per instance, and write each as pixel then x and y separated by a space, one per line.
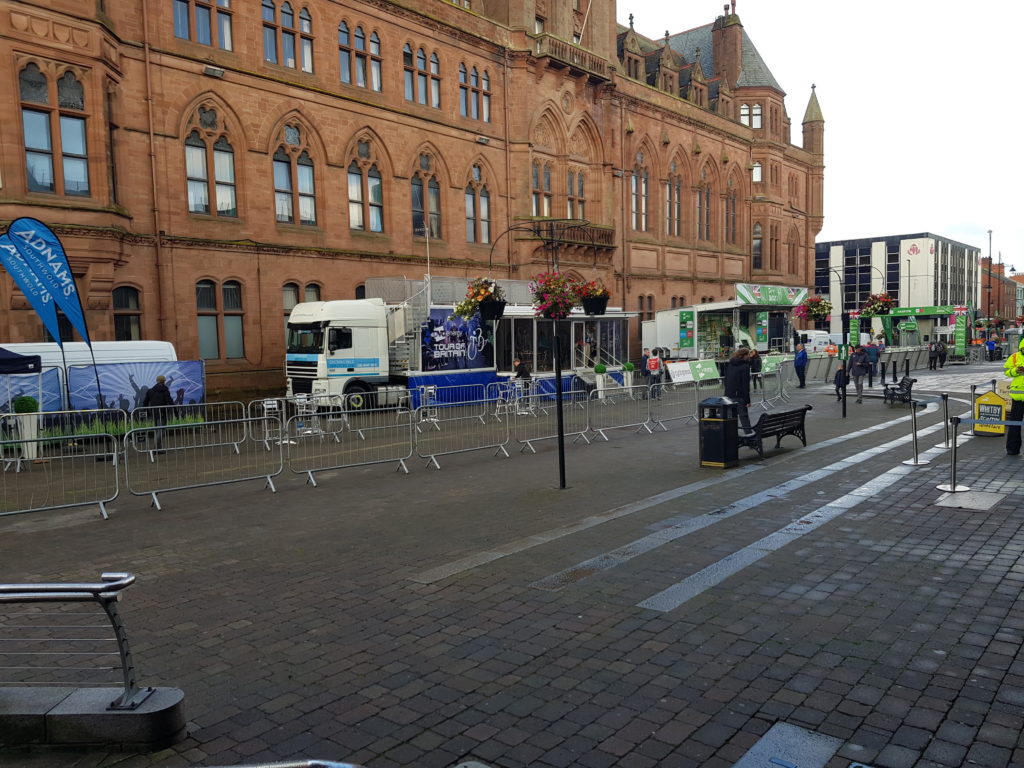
pixel 1014 368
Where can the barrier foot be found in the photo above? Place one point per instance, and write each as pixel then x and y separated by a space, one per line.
pixel 952 488
pixel 584 438
pixel 601 433
pixel 152 458
pixel 526 445
pixel 237 452
pixel 646 426
pixel 155 502
pixel 665 429
pixel 270 484
pixel 310 480
pixel 482 419
pixel 501 449
pixel 432 460
pixel 103 511
pixel 401 466
pixel 916 462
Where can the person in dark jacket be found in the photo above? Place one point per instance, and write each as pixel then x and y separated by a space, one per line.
pixel 737 384
pixel 521 369
pixel 840 380
pixel 859 367
pixel 800 365
pixel 756 363
pixel 156 398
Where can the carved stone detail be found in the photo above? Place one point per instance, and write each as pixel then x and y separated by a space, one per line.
pixel 58 33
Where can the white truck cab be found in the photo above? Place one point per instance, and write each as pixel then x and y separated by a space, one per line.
pixel 337 347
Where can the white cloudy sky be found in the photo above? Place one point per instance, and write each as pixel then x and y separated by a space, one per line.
pixel 918 102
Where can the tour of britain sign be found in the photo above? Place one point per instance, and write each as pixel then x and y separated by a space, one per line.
pixel 770 295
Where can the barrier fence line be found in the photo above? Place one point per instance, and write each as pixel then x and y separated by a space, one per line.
pixel 622 408
pixel 337 438
pixel 162 459
pixel 539 420
pixel 460 428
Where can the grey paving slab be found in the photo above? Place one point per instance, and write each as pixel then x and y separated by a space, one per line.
pixel 296 627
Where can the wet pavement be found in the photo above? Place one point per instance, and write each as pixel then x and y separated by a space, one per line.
pixel 654 613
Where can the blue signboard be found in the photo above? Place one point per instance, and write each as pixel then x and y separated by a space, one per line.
pixel 125 385
pixel 452 343
pixel 14 385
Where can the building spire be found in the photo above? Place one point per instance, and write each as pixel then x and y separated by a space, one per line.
pixel 813 113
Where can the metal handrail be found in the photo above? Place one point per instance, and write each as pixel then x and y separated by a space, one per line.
pixel 106 594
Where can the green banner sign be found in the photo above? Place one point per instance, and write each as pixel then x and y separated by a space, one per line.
pixel 960 335
pixel 907 325
pixel 761 327
pixel 770 295
pixel 687 330
pixel 854 329
pixel 704 369
pixel 887 327
pixel 922 311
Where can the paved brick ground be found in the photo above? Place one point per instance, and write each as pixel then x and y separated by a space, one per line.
pixel 298 626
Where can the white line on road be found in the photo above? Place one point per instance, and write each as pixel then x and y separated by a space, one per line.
pixel 674 596
pixel 486 556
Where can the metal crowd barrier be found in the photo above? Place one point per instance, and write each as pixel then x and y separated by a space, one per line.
pixel 542 424
pixel 161 459
pixel 678 401
pixel 456 430
pixel 338 438
pixel 59 472
pixel 455 394
pixel 40 634
pixel 622 408
pixel 194 415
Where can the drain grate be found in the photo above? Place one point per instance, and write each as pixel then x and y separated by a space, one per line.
pixel 788 746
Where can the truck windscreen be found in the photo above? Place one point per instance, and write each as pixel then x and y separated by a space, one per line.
pixel 305 339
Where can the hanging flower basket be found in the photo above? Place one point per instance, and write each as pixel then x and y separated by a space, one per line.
pixel 554 295
pixel 490 310
pixel 877 304
pixel 479 292
pixel 813 308
pixel 594 298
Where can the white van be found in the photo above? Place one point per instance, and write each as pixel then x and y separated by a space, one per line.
pixel 815 341
pixel 77 352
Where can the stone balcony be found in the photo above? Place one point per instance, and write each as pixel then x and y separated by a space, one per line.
pixel 561 55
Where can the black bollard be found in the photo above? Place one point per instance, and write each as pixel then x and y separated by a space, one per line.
pixel 871 376
pixel 906 367
pixel 883 373
pixel 894 372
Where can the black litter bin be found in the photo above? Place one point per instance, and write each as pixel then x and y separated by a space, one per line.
pixel 719 432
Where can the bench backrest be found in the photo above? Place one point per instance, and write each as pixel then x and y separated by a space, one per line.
pixel 781 419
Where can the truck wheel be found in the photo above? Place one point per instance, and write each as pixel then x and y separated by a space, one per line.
pixel 359 398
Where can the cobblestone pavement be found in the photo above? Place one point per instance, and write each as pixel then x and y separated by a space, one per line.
pixel 478 613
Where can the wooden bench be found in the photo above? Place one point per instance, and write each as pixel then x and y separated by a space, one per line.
pixel 899 393
pixel 776 424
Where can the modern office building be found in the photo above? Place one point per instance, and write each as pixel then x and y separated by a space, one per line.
pixel 209 163
pixel 917 270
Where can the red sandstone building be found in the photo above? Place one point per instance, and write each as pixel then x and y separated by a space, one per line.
pixel 208 163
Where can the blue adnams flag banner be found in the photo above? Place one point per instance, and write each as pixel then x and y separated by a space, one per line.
pixel 45 256
pixel 30 285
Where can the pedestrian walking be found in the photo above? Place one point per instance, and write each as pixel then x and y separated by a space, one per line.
pixel 873 352
pixel 840 379
pixel 756 363
pixel 933 356
pixel 654 369
pixel 1014 369
pixel 941 349
pixel 990 347
pixel 859 367
pixel 157 397
pixel 800 365
pixel 737 384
